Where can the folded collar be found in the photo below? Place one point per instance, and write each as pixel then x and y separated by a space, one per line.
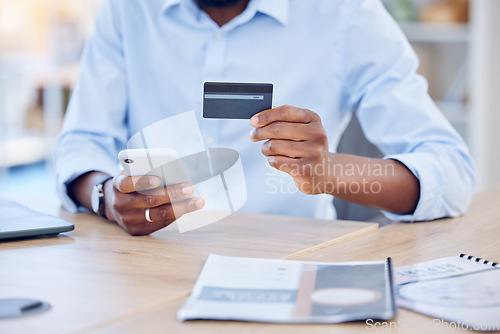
pixel 167 4
pixel 277 9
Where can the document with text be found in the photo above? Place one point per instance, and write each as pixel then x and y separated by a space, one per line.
pixel 266 290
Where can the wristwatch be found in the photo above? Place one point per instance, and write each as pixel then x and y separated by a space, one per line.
pixel 97 198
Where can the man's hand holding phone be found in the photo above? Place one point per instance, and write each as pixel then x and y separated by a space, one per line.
pixel 133 200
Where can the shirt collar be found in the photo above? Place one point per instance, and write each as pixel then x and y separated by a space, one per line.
pixel 167 4
pixel 277 9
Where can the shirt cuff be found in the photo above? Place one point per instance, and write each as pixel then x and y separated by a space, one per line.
pixel 432 183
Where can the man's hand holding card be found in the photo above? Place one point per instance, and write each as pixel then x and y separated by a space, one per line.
pixel 295 140
pixel 296 143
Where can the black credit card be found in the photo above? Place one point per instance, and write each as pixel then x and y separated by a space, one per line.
pixel 236 100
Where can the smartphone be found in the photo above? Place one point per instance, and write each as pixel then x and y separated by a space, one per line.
pixel 162 162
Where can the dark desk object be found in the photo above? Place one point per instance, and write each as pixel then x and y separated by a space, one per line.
pixel 11 308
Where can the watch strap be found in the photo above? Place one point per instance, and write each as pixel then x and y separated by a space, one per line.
pixel 100 194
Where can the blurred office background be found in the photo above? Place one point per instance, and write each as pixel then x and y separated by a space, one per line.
pixel 41 42
pixel 40 46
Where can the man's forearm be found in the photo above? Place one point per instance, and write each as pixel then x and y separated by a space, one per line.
pixel 296 143
pixel 81 188
pixel 383 184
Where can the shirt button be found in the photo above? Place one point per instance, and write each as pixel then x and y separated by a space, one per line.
pixel 218 34
pixel 209 140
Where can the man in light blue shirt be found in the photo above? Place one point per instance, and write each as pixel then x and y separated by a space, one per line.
pixel 148 60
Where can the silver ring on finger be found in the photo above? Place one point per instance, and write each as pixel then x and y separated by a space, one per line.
pixel 148 217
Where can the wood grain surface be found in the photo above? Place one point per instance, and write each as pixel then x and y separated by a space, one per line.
pixel 98 274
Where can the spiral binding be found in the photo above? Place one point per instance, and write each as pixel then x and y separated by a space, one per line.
pixel 479 260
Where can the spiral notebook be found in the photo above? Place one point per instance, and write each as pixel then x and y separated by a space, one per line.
pixel 462 289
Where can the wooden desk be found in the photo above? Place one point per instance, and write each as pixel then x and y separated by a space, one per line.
pixel 475 233
pixel 98 274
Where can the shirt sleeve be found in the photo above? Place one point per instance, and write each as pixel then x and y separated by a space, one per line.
pixel 94 127
pixel 397 114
